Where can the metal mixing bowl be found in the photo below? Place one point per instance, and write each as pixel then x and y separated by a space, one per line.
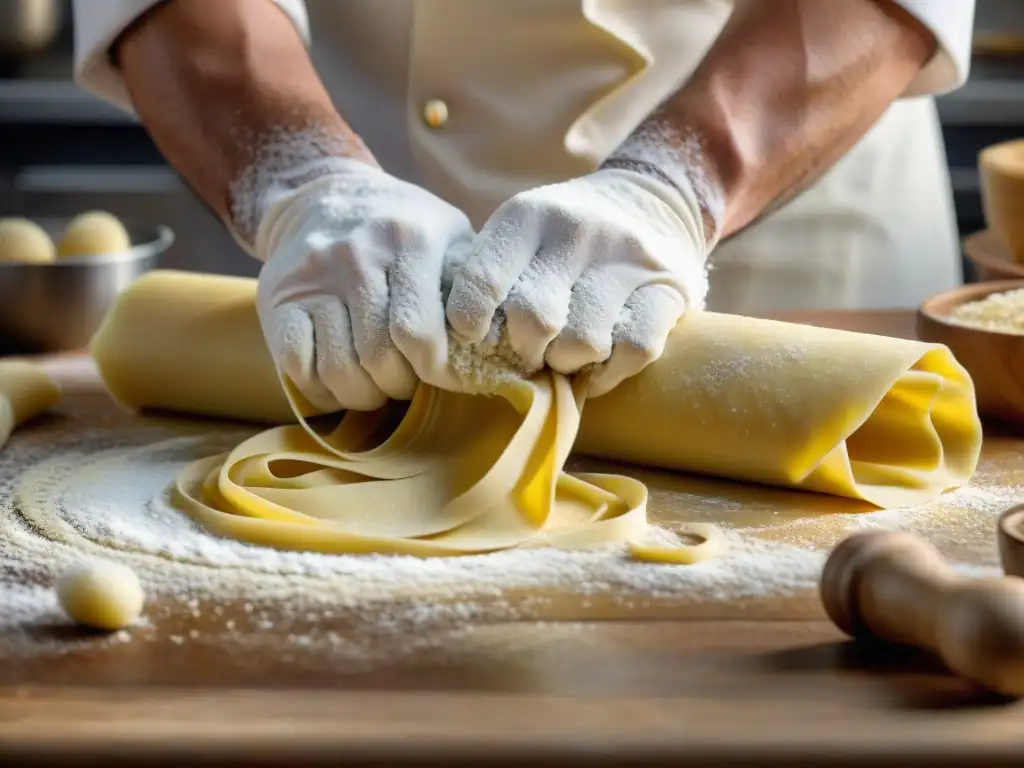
pixel 58 306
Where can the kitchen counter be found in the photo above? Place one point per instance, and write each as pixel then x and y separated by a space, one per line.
pixel 751 691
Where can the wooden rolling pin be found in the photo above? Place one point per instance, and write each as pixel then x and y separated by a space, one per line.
pixel 895 586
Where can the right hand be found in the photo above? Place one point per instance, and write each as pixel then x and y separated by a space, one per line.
pixel 350 297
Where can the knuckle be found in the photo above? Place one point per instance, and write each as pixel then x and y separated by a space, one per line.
pixel 528 309
pixel 586 339
pixel 639 349
pixel 630 242
pixel 525 203
pixel 472 293
pixel 410 237
pixel 362 398
pixel 407 335
pixel 348 386
pixel 374 354
pixel 574 350
pixel 291 337
pixel 291 365
pixel 390 373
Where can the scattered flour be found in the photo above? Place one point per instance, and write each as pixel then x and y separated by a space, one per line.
pixel 106 494
pixel 65 496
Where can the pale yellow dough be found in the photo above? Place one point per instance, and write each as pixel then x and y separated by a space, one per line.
pixel 94 233
pixel 25 241
pixel 26 390
pixel 888 421
pixel 101 595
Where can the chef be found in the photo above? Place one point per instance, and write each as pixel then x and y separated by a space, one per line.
pixel 544 181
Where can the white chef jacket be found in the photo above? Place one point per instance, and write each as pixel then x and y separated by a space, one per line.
pixel 536 91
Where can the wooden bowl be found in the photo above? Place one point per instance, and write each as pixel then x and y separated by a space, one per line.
pixel 1001 169
pixel 990 258
pixel 1010 533
pixel 995 360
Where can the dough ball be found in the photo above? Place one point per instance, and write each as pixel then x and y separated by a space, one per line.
pixel 93 234
pixel 24 240
pixel 101 595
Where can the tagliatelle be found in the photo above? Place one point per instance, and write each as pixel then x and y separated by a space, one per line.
pixel 460 474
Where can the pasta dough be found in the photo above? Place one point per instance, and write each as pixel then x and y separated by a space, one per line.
pixel 25 241
pixel 94 233
pixel 888 421
pixel 101 595
pixel 26 390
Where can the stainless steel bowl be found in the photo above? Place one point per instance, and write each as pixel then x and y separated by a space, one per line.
pixel 57 306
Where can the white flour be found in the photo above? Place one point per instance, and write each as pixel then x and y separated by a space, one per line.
pixel 1000 312
pixel 682 160
pixel 104 494
pixel 283 159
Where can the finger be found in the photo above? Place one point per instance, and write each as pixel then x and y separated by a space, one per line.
pixel 597 301
pixel 537 307
pixel 337 364
pixel 288 331
pixel 417 320
pixel 639 337
pixel 369 312
pixel 502 250
pixel 455 260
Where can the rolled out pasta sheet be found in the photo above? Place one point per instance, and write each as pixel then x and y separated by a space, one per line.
pixel 888 421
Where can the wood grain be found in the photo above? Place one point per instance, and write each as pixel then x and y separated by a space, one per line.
pixel 991 259
pixel 894 586
pixel 994 360
pixel 1011 541
pixel 1001 172
pixel 743 692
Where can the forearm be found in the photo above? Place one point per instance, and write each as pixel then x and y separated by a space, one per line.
pixel 229 95
pixel 788 87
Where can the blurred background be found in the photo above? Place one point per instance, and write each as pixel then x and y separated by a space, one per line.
pixel 62 151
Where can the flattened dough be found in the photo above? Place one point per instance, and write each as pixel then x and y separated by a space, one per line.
pixel 888 421
pixel 26 390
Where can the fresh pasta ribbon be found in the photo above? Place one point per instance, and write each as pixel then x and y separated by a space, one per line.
pixel 460 474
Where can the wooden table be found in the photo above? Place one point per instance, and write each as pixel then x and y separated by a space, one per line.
pixel 751 692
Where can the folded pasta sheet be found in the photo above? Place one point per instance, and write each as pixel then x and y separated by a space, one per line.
pixel 888 421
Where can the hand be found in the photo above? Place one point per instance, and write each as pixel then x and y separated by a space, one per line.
pixel 594 270
pixel 350 296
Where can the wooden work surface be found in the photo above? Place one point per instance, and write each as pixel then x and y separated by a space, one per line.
pixel 745 691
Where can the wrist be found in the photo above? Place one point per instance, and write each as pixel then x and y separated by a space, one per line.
pixel 677 196
pixel 285 164
pixel 227 91
pixel 688 264
pixel 315 198
pixel 660 153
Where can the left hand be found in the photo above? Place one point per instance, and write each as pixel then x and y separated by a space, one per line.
pixel 596 270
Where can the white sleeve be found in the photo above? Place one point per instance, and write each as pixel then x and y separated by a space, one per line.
pixel 99 24
pixel 952 23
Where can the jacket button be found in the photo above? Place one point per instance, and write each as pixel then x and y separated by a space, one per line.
pixel 435 114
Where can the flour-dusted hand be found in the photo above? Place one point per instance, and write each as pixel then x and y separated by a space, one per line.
pixel 349 298
pixel 596 270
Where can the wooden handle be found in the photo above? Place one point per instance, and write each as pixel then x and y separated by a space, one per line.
pixel 1010 532
pixel 895 586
